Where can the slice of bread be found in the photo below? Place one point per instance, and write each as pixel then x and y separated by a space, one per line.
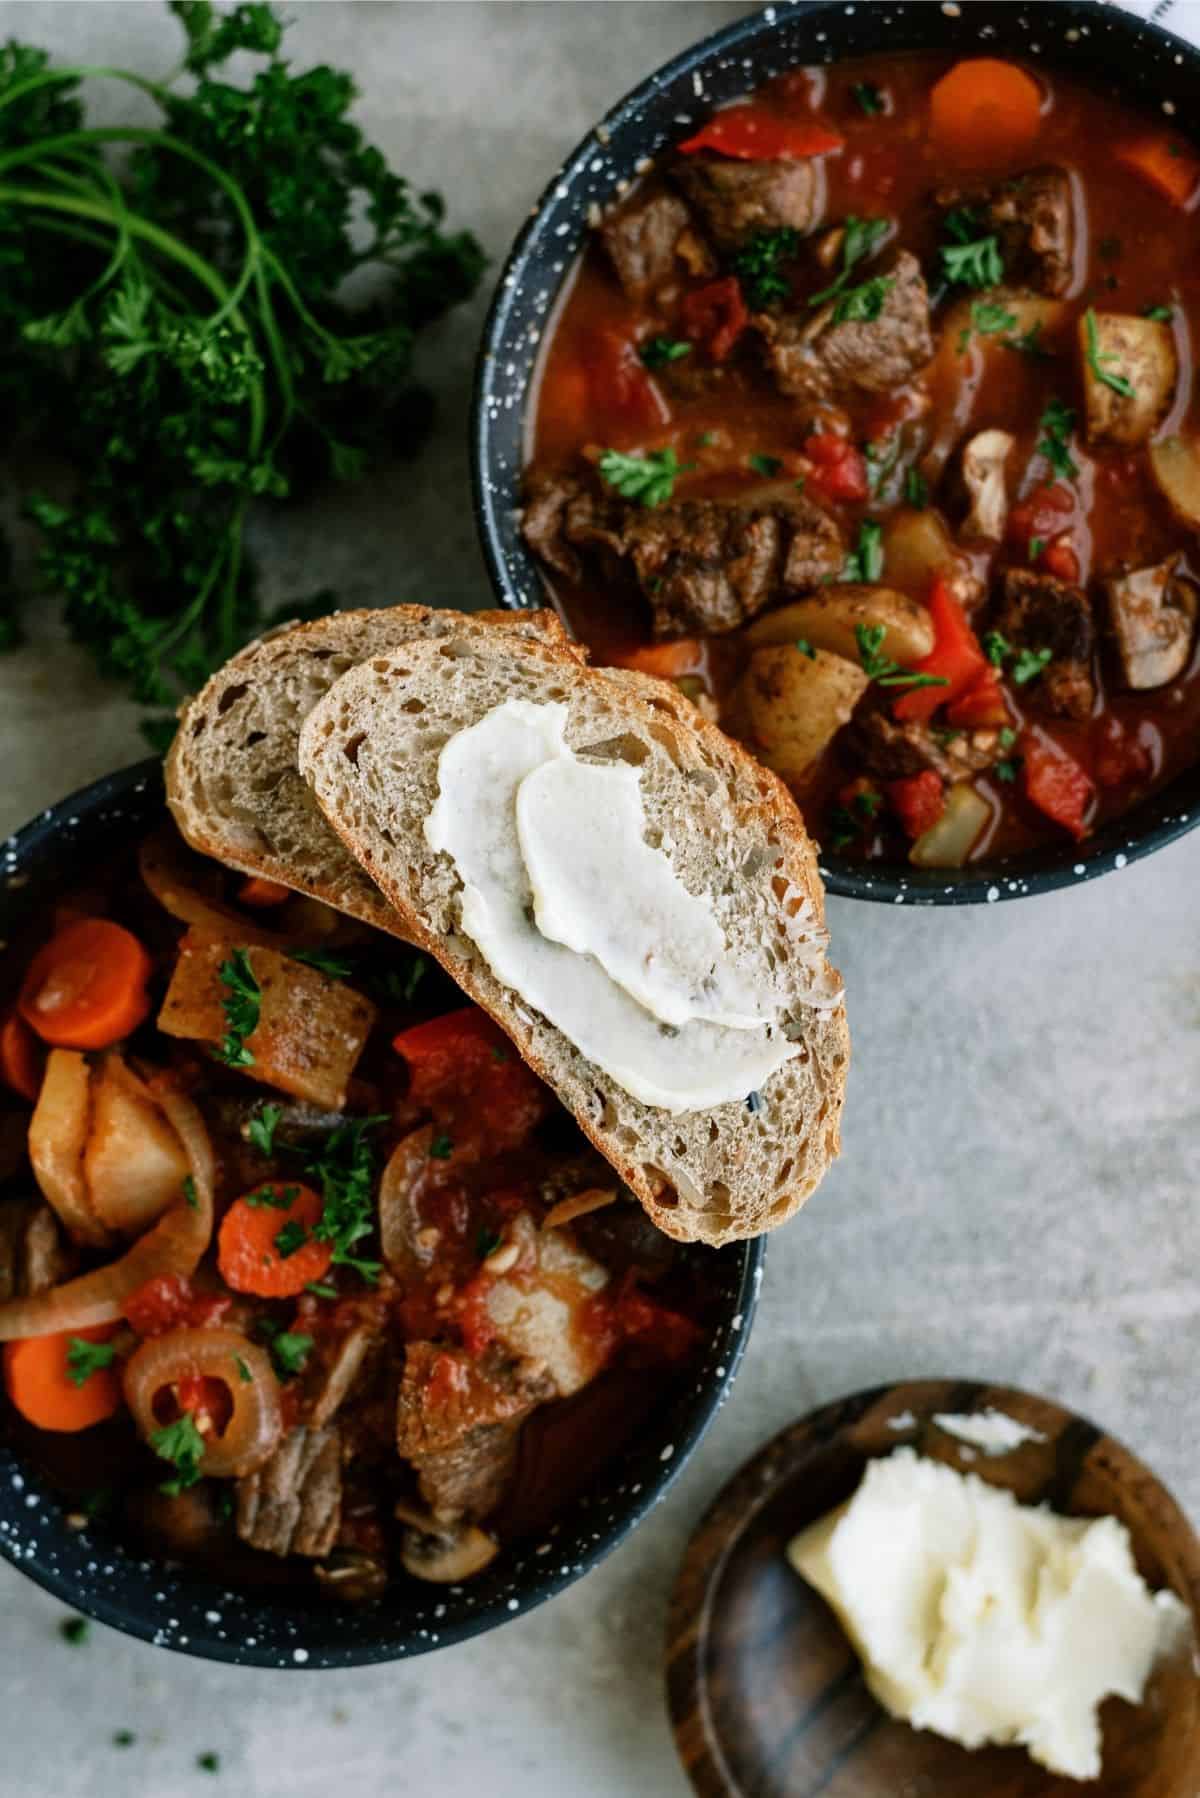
pixel 370 750
pixel 232 781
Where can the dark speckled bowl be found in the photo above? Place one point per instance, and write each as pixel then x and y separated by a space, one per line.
pixel 112 1579
pixel 1141 61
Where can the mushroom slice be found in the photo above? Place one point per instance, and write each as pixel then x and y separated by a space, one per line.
pixel 1129 373
pixel 983 464
pixel 443 1555
pixel 1153 618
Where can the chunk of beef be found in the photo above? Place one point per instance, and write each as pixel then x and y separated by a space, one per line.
pixel 293 1505
pixel 543 522
pixel 1039 612
pixel 892 751
pixel 339 1373
pixel 1033 216
pixel 457 1423
pixel 736 199
pixel 34 1253
pixel 1153 612
pixel 651 242
pixel 814 358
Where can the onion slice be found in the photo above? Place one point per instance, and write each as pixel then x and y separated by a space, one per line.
pixel 58 1132
pixel 174 1246
pixel 255 1424
pixel 161 864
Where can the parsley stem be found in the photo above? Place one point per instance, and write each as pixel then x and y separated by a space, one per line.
pixel 83 72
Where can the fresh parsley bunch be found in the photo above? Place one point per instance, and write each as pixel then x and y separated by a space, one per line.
pixel 171 324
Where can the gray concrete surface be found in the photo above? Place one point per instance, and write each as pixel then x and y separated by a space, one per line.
pixel 1017 1195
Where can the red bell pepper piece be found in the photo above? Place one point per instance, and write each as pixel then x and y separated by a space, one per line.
pixel 1042 513
pixel 956 658
pixel 715 316
pixel 839 469
pixel 981 706
pixel 1055 782
pixel 756 134
pixel 918 801
pixel 1059 559
pixel 463 1068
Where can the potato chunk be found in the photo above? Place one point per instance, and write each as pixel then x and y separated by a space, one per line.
pixel 1138 354
pixel 310 1031
pixel 1176 465
pixel 1153 616
pixel 793 705
pixel 831 620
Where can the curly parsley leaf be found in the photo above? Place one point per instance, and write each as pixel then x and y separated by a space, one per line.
pixel 243 996
pixel 289 1352
pixel 859 238
pixel 260 1131
pixel 863 304
pixel 85 1358
pixel 649 479
pixel 660 351
pixel 882 669
pixel 865 562
pixel 971 258
pixel 334 967
pixel 1057 425
pixel 344 1168
pixel 182 1444
pixel 757 265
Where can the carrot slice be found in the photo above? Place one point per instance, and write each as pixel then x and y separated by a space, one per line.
pixel 986 110
pixel 261 892
pixel 1166 165
pixel 22 1058
pixel 37 1375
pixel 86 987
pixel 249 1251
pixel 669 661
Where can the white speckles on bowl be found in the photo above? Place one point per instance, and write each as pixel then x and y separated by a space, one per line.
pixel 1109 45
pixel 97 1569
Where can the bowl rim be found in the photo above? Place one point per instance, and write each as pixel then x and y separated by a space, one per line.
pixel 192 1613
pixel 1113 847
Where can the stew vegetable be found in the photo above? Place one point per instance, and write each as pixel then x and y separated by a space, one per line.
pixel 868 419
pixel 299 1262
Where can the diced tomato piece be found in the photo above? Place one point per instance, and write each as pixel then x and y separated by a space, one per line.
pixel 1059 559
pixel 755 133
pixel 956 658
pixel 918 801
pixel 474 1319
pixel 204 1397
pixel 667 1334
pixel 839 469
pixel 715 316
pixel 1041 513
pixel 1055 782
pixel 447 1377
pixel 1119 757
pixel 619 389
pixel 261 892
pixel 463 1065
pixel 170 1302
pixel 981 706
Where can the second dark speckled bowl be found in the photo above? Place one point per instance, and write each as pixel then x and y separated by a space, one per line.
pixel 1139 61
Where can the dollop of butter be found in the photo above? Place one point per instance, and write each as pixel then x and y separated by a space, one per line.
pixel 983 1619
pixel 573 909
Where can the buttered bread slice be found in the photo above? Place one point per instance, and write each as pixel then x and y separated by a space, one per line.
pixel 626 891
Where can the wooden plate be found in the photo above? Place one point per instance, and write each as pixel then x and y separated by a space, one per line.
pixel 765 1692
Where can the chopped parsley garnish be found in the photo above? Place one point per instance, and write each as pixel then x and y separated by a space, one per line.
pixel 1036 546
pixel 1029 343
pixel 1029 664
pixel 859 238
pixel 1007 771
pixel 241 1006
pixel 869 97
pixel 345 1170
pixel 1057 424
pixel 988 318
pixel 916 489
pixel 1008 737
pixel 190 1194
pixel 1161 315
pixel 209 1762
pixel 289 1352
pixel 398 984
pixel 649 479
pixel 756 265
pixel 441 1148
pixel 182 1444
pixel 880 459
pixel 661 350
pixel 75 1630
pixel 883 669
pixel 1097 358
pixel 272 1198
pixel 244 1373
pixel 806 648
pixel 843 827
pixel 86 1358
pixel 996 648
pixel 867 802
pixel 863 304
pixel 765 465
pixel 123 1738
pixel 968 259
pixel 865 562
pixel 486 1243
pixel 334 967
pixel 260 1131
pixel 321 1289
pixel 290 1239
